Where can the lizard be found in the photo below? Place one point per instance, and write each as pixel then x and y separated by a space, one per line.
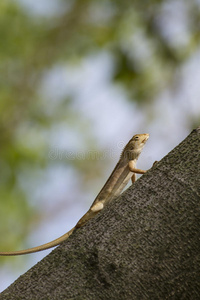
pixel 122 173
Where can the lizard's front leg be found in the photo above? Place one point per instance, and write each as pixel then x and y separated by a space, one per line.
pixel 132 168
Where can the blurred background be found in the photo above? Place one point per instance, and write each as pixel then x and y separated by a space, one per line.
pixel 77 80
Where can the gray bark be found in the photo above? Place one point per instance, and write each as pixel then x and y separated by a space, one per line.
pixel 144 245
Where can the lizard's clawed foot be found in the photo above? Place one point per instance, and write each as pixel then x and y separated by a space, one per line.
pixel 154 163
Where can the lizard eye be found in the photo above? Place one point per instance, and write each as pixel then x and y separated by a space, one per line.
pixel 136 137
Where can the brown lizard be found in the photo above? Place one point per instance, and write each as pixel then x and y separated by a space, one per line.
pixel 122 173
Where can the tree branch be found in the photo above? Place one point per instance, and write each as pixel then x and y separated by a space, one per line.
pixel 144 245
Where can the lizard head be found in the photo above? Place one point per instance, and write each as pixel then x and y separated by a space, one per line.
pixel 135 146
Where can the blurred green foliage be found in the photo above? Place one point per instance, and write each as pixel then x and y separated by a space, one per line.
pixel 144 64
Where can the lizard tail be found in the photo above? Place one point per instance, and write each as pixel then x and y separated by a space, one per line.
pixel 51 244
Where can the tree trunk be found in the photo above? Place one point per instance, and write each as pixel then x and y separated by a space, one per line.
pixel 144 245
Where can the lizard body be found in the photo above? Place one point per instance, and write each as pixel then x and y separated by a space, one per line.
pixel 122 173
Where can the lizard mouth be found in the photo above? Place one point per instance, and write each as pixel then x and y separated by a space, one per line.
pixel 146 138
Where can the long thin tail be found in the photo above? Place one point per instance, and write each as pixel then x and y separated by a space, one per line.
pixel 51 244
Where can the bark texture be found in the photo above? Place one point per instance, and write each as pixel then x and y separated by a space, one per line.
pixel 144 245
